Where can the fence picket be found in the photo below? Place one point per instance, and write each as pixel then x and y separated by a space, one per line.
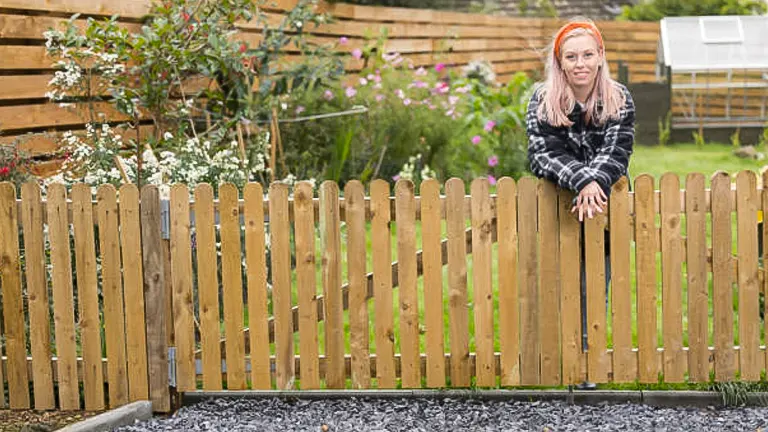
pixel 382 284
pixel 594 255
pixel 279 229
pixel 671 266
pixel 88 297
pixel 112 291
pixel 722 277
pixel 354 201
pixel 482 215
pixel 39 307
pixel 509 308
pixel 570 289
pixel 764 288
pixel 232 284
pixel 529 290
pixel 698 290
pixel 63 299
pixel 13 300
pixel 431 224
pixel 330 236
pixel 645 270
pixel 750 361
pixel 549 283
pixel 133 291
pixel 457 283
pixel 405 213
pixel 208 286
pixel 183 302
pixel 256 263
pixel 624 360
pixel 307 285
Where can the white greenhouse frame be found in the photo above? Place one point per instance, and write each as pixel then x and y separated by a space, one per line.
pixel 725 45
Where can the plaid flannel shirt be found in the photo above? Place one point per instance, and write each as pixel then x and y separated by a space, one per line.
pixel 574 157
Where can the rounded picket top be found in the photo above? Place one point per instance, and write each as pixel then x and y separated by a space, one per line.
pixel 179 189
pixel 380 184
pixel 479 183
pixel 719 174
pixel 621 185
pixel 253 190
pixel 429 183
pixel 403 185
pixel 228 189
pixel 329 186
pixel 669 180
pixel 106 191
pixel 353 186
pixel 31 190
pixel 56 189
pixel 203 190
pixel 454 183
pixel 8 190
pixel 746 177
pixel 644 181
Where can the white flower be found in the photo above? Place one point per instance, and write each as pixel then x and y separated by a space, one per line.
pixel 168 136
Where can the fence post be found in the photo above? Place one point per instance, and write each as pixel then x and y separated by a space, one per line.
pixel 155 298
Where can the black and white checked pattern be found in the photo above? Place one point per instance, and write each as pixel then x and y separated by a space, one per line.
pixel 574 156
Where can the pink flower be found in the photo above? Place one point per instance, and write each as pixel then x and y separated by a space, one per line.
pixel 363 81
pixel 453 99
pixel 493 161
pixel 420 71
pixel 476 139
pixel 371 77
pixel 350 91
pixel 396 177
pixel 357 53
pixel 400 93
pixel 463 89
pixel 441 88
pixel 418 84
pixel 300 109
pixel 377 86
pixel 439 67
pixel 489 125
pixel 431 107
pixel 343 40
pixel 450 112
pixel 491 179
pixel 406 101
pixel 379 97
pixel 376 78
pixel 328 95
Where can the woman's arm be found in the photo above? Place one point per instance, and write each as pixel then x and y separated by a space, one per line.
pixel 549 158
pixel 612 159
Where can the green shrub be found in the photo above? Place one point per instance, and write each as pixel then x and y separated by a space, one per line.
pixel 654 10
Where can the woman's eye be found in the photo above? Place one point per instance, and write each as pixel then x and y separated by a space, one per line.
pixel 588 55
pixel 570 57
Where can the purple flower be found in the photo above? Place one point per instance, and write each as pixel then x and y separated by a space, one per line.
pixel 396 177
pixel 439 67
pixel 493 161
pixel 476 139
pixel 371 77
pixel 406 101
pixel 363 81
pixel 491 179
pixel 357 53
pixel 328 95
pixel 420 71
pixel 489 125
pixel 300 109
pixel 350 92
pixel 343 40
pixel 400 93
pixel 453 99
pixel 418 84
pixel 379 97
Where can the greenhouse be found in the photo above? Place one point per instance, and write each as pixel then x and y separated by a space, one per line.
pixel 717 70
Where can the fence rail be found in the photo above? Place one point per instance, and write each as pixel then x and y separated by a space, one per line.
pixel 281 289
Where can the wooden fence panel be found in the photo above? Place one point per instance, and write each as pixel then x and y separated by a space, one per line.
pixel 307 285
pixel 256 263
pixel 549 284
pixel 528 264
pixel 570 289
pixel 405 214
pixel 13 300
pixel 764 288
pixel 208 287
pixel 751 362
pixel 698 289
pixel 645 270
pixel 509 307
pixel 672 291
pixel 722 277
pixel 88 297
pixel 382 284
pixel 482 219
pixel 624 359
pixel 431 224
pixel 232 283
pixel 334 313
pixel 112 291
pixel 354 201
pixel 63 299
pixel 183 302
pixel 457 283
pixel 279 229
pixel 133 289
pixel 37 288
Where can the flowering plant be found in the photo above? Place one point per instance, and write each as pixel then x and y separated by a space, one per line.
pixel 14 164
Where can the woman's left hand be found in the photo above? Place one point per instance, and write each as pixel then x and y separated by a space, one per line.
pixel 590 200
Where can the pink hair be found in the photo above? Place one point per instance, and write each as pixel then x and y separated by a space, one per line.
pixel 558 98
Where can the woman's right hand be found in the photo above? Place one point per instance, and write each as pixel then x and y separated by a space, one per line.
pixel 591 200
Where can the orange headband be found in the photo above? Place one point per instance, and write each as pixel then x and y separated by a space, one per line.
pixel 564 30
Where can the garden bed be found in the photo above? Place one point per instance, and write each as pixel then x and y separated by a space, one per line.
pixel 39 421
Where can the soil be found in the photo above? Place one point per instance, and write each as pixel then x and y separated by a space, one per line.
pixel 39 421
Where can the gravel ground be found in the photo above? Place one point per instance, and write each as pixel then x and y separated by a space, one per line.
pixel 355 414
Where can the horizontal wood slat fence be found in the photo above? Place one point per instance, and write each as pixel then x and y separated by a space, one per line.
pixel 277 288
pixel 426 37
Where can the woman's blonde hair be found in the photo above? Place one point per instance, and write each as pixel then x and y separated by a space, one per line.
pixel 558 99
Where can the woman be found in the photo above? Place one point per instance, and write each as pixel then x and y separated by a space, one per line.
pixel 580 126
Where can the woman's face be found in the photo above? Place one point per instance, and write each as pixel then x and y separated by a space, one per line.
pixel 580 60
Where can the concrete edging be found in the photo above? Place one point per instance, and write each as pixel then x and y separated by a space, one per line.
pixel 122 416
pixel 653 398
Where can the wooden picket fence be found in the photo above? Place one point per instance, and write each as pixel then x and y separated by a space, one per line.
pixel 233 282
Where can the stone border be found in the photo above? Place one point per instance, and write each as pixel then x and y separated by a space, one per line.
pixel 655 398
pixel 122 416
